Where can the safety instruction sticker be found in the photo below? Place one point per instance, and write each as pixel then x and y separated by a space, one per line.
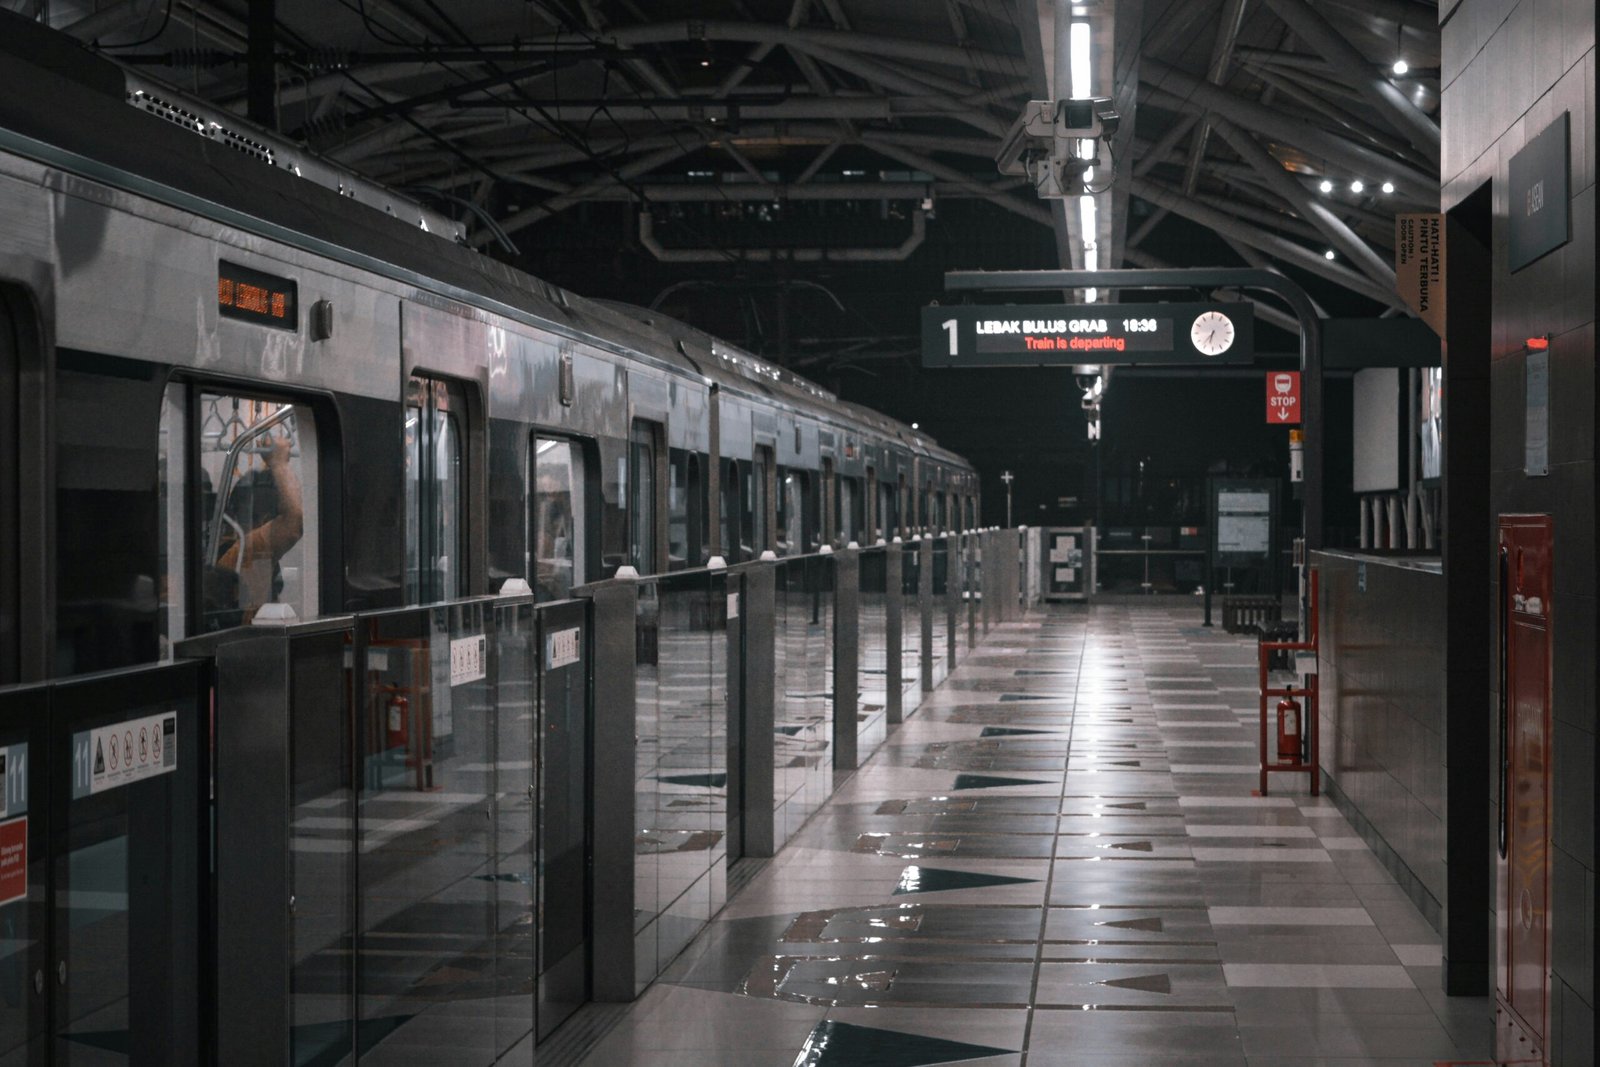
pixel 109 757
pixel 561 648
pixel 467 659
pixel 13 861
pixel 13 780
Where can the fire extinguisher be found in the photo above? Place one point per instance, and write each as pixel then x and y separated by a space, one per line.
pixel 1297 456
pixel 1289 730
pixel 395 728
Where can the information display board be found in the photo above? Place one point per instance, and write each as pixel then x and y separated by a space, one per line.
pixel 1243 521
pixel 1050 335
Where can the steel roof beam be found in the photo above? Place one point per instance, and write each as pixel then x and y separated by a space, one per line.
pixel 875 45
pixel 1194 95
pixel 1280 248
pixel 557 204
pixel 1264 311
pixel 1034 211
pixel 1319 33
pixel 1232 16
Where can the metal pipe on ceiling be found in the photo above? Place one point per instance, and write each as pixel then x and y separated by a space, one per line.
pixel 895 254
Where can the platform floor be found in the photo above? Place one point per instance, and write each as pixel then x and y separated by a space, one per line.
pixel 1058 860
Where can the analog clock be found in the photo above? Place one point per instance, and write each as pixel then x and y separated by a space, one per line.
pixel 1212 333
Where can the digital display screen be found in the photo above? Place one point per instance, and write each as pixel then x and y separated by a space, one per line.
pixel 253 296
pixel 1088 336
pixel 1039 335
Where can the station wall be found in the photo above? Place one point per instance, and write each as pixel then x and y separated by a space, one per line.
pixel 1510 68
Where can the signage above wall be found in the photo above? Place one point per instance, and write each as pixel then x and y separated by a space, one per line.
pixel 1539 195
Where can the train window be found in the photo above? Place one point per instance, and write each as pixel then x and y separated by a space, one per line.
pixel 683 518
pixel 642 450
pixel 558 485
pixel 436 520
pixel 257 508
pixel 760 496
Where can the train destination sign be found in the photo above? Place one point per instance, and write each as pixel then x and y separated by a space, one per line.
pixel 1052 335
pixel 254 296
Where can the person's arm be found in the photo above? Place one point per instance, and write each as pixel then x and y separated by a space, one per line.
pixel 286 528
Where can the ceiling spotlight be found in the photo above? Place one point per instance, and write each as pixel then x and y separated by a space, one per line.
pixel 1387 187
pixel 1326 186
pixel 1328 254
pixel 705 62
pixel 1401 66
pixel 1358 186
pixel 916 425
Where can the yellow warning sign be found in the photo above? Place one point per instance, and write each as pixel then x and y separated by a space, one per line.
pixel 1419 261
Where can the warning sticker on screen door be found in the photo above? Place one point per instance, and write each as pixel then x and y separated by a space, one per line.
pixel 109 757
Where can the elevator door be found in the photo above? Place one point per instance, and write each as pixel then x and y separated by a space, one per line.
pixel 1525 770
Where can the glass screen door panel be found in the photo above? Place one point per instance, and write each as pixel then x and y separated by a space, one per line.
pixel 563 813
pixel 24 910
pixel 125 837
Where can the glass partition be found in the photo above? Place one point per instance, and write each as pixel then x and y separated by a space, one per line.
pixel 910 628
pixel 943 621
pixel 681 796
pixel 872 723
pixel 803 691
pixel 424 829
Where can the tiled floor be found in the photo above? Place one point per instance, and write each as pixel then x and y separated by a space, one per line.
pixel 1058 860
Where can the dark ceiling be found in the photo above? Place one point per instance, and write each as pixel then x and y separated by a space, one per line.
pixel 797 175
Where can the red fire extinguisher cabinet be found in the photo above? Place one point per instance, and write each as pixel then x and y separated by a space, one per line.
pixel 1522 889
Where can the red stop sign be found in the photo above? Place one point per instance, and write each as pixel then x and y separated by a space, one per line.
pixel 1283 397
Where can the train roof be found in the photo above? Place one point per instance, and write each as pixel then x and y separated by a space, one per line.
pixel 107 124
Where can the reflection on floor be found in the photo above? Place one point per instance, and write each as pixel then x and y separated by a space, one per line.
pixel 1058 860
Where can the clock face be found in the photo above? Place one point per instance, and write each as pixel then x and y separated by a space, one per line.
pixel 1212 333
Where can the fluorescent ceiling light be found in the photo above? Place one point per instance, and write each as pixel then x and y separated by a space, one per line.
pixel 1082 81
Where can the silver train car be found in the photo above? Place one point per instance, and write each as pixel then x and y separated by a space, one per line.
pixel 237 383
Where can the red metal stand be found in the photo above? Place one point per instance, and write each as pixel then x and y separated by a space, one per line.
pixel 1311 716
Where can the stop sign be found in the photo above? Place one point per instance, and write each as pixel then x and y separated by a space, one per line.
pixel 1283 397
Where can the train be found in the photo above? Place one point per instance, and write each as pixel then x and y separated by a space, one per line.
pixel 240 385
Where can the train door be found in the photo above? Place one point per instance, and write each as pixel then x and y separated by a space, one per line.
pixel 845 508
pixel 247 466
pixel 685 539
pixel 1522 913
pixel 556 525
pixel 873 527
pixel 10 501
pixel 829 524
pixel 760 501
pixel 791 511
pixel 436 491
pixel 27 516
pixel 645 516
